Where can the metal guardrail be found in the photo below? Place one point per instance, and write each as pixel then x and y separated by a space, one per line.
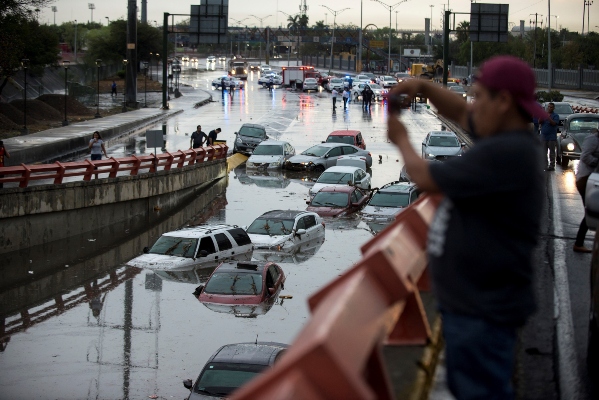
pixel 86 169
pixel 338 353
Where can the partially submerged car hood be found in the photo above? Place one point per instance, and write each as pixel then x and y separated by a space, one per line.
pixel 301 158
pixel 443 151
pixel 264 159
pixel 265 240
pixel 381 211
pixel 326 211
pixel 161 262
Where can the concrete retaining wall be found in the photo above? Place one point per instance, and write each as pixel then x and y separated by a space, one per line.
pixel 41 214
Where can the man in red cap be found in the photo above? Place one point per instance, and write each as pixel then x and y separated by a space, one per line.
pixel 482 238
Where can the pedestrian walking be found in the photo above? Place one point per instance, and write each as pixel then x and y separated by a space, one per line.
pixel 113 89
pixel 481 260
pixel 334 96
pixel 231 87
pixel 96 146
pixel 198 138
pixel 549 135
pixel 212 136
pixel 589 159
pixel 345 98
pixel 4 154
pixel 367 94
pixel 271 83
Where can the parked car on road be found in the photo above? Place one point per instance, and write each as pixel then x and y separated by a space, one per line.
pixel 342 176
pixel 363 78
pixel 285 230
pixel 386 81
pixel 217 83
pixel 352 137
pixel 211 59
pixel 232 366
pixel 270 154
pixel 563 110
pixel 265 79
pixel 379 92
pixel 335 83
pixel 199 245
pixel 402 76
pixel 337 201
pixel 575 129
pixel 265 68
pixel 248 137
pixel 441 145
pixel 324 155
pixel 222 58
pixel 310 84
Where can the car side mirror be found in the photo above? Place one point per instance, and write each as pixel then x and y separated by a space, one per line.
pixel 463 144
pixel 300 232
pixel 203 253
pixel 235 133
pixel 326 156
pixel 198 290
pixel 323 141
pixel 271 291
pixel 146 250
pixel 308 202
pixel 187 383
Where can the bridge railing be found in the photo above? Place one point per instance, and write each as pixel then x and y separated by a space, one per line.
pixel 338 353
pixel 23 174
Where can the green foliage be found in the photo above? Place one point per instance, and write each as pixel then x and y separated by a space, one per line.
pixel 121 74
pixel 553 95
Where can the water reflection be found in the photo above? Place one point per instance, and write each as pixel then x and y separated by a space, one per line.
pixel 297 255
pixel 261 178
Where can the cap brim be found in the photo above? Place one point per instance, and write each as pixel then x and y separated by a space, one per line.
pixel 534 109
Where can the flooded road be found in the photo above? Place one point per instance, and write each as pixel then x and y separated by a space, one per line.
pixel 91 328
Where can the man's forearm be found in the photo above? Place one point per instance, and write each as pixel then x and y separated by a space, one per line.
pixel 447 103
pixel 416 167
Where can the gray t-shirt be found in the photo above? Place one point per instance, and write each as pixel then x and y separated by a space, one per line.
pixel 96 146
pixel 482 238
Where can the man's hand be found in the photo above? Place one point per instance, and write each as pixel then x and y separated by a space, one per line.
pixel 410 87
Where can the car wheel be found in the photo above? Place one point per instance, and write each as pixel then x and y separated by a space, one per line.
pixel 564 162
pixel 319 168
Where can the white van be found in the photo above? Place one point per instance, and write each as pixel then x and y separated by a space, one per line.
pixel 205 245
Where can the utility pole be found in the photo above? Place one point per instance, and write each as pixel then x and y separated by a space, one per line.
pixel 534 59
pixel 92 7
pixel 391 8
pixel 54 9
pixel 261 32
pixel 549 71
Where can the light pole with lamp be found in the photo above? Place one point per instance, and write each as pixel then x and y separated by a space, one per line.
pixel 288 47
pixel 125 62
pixel 25 65
pixel 391 8
pixel 240 23
pixel 54 9
pixel 92 7
pixel 98 64
pixel 151 70
pixel 108 22
pixel 145 65
pixel 335 13
pixel 260 19
pixel 65 64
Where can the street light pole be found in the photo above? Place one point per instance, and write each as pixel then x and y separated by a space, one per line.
pixel 75 41
pixel 125 62
pixel 65 64
pixel 260 19
pixel 54 9
pixel 335 13
pixel 25 65
pixel 391 8
pixel 145 65
pixel 108 22
pixel 92 7
pixel 98 63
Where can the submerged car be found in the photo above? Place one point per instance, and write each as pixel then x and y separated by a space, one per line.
pixel 249 283
pixel 342 176
pixel 388 201
pixel 231 367
pixel 322 156
pixel 441 145
pixel 576 128
pixel 337 201
pixel 248 137
pixel 270 154
pixel 285 230
pixel 205 245
pixel 347 136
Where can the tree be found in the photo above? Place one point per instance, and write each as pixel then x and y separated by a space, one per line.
pixel 22 8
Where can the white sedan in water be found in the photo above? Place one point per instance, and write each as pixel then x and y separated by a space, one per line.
pixel 276 79
pixel 217 83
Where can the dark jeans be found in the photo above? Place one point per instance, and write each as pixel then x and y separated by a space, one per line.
pixel 581 185
pixel 96 157
pixel 344 102
pixel 334 102
pixel 549 145
pixel 479 356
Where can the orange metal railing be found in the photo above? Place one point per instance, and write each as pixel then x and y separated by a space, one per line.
pixel 338 353
pixel 113 166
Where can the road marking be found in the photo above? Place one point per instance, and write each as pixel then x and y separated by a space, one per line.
pixel 569 375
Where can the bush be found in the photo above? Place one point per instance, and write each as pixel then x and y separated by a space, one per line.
pixel 121 74
pixel 553 95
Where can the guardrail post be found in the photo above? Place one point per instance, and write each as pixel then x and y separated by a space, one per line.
pixel 114 167
pixel 168 162
pixel 59 173
pixel 89 170
pixel 25 176
pixel 135 169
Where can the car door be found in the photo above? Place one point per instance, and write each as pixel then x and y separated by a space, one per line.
pixel 224 246
pixel 331 156
pixel 313 230
pixel 207 244
pixel 361 199
pixel 300 223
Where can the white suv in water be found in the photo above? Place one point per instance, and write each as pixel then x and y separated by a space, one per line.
pixel 205 245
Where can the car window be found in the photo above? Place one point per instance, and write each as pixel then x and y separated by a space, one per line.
pixel 359 138
pixel 359 194
pixel 234 283
pixel 223 242
pixel 265 226
pixel 174 246
pixel 583 124
pixel 240 236
pixel 334 152
pixel 360 175
pixel 309 221
pixel 347 139
pixel 252 131
pixel 330 199
pixel 390 199
pixel 315 151
pixel 268 150
pixel 563 109
pixel 226 377
pixel 274 272
pixel 413 196
pixel 443 141
pixel 354 196
pixel 300 224
pixel 334 178
pixel 349 150
pixel 206 244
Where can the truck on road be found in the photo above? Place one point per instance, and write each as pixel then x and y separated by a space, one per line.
pixel 238 68
pixel 295 76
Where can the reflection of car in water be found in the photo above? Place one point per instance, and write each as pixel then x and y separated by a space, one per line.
pixel 301 254
pixel 261 178
pixel 285 230
pixel 232 366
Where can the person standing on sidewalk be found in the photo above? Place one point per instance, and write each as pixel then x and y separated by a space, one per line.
pixel 334 96
pixel 589 159
pixel 4 154
pixel 549 135
pixel 481 260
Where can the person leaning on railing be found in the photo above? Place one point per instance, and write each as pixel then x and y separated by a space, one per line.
pixel 481 241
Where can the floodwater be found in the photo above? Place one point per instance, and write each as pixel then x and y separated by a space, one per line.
pixel 78 324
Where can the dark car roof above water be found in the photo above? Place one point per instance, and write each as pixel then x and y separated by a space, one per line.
pixel 260 353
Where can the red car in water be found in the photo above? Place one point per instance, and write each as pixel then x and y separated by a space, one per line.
pixel 337 201
pixel 242 283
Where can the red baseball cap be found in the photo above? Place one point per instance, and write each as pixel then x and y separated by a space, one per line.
pixel 514 75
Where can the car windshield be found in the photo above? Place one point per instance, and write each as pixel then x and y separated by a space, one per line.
pixel 388 78
pixel 239 64
pixel 316 151
pixel 340 139
pixel 268 150
pixel 335 177
pixel 443 141
pixel 251 131
pixel 374 86
pixel 563 109
pixel 329 199
pixel 234 283
pixel 336 80
pixel 271 227
pixel 175 246
pixel 390 199
pixel 583 124
pixel 220 379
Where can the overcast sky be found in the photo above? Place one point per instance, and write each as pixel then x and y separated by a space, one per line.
pixel 410 15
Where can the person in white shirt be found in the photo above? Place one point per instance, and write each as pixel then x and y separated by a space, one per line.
pixel 345 98
pixel 334 95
